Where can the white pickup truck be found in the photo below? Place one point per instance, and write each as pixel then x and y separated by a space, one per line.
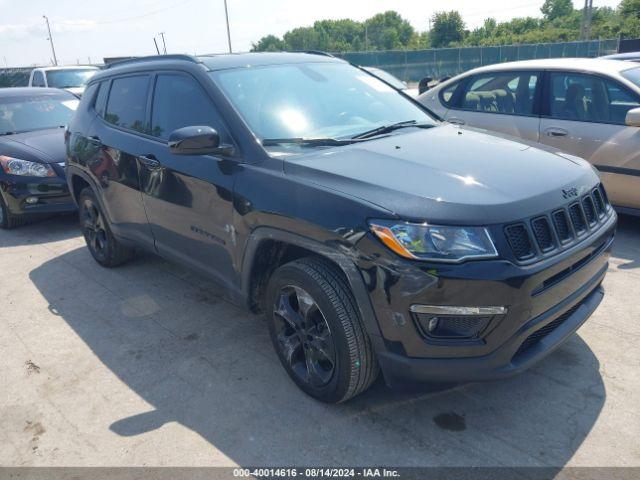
pixel 72 78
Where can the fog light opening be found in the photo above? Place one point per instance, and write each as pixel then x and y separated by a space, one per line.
pixel 32 200
pixel 454 323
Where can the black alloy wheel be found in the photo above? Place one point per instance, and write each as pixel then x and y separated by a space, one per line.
pixel 304 337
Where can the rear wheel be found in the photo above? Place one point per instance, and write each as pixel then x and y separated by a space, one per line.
pixel 317 332
pixel 104 247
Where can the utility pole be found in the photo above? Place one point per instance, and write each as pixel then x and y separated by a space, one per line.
pixel 156 44
pixel 587 13
pixel 53 50
pixel 226 14
pixel 164 44
pixel 366 38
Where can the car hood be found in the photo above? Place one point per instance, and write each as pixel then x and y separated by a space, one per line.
pixel 45 146
pixel 447 175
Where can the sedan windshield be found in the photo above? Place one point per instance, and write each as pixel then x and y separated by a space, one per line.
pixel 69 78
pixel 22 113
pixel 315 100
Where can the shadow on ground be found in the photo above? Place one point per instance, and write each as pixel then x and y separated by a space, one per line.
pixel 57 228
pixel 200 361
pixel 627 245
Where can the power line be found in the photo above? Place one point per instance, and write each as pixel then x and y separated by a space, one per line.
pixel 144 15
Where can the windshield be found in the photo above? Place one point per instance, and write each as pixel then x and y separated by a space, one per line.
pixel 69 78
pixel 38 112
pixel 632 75
pixel 314 100
pixel 387 77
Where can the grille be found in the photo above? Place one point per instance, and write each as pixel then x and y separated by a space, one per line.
pixel 605 198
pixel 561 222
pixel 539 334
pixel 542 232
pixel 518 239
pixel 589 210
pixel 553 232
pixel 577 218
pixel 599 203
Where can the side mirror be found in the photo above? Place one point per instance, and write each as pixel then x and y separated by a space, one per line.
pixel 197 140
pixel 633 117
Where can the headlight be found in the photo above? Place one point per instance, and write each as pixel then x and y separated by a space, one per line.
pixel 15 166
pixel 434 243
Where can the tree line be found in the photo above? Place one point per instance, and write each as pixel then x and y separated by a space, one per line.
pixel 560 22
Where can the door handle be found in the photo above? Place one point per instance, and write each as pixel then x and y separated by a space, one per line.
pixel 556 132
pixel 95 140
pixel 149 161
pixel 456 121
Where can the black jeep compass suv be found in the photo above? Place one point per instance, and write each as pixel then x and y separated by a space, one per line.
pixel 372 236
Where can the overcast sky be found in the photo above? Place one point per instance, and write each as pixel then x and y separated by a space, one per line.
pixel 86 30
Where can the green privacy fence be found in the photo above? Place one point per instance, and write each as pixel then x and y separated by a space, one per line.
pixel 413 65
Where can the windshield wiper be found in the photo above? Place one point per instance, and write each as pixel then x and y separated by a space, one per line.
pixel 311 142
pixel 390 128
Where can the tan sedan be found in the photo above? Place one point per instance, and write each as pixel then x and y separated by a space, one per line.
pixel 585 107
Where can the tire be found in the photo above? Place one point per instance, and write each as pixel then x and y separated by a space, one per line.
pixel 9 220
pixel 104 247
pixel 317 331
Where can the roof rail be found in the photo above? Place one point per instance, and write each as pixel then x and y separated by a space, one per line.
pixel 316 52
pixel 151 58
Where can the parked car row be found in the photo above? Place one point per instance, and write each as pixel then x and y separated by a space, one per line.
pixel 372 236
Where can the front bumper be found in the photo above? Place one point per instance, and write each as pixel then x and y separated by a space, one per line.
pixel 549 300
pixel 52 194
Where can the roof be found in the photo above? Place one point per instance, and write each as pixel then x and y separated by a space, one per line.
pixel 67 67
pixel 32 91
pixel 256 59
pixel 596 65
pixel 225 61
pixel 624 56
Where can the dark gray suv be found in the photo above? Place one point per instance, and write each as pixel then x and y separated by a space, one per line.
pixel 370 235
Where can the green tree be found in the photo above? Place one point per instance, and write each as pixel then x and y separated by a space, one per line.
pixel 629 9
pixel 270 43
pixel 388 31
pixel 552 9
pixel 448 28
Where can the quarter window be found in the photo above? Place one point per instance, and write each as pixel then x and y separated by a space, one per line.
pixel 101 99
pixel 127 102
pixel 510 93
pixel 588 98
pixel 447 94
pixel 179 101
pixel 38 79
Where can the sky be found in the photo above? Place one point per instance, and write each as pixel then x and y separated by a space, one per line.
pixel 88 30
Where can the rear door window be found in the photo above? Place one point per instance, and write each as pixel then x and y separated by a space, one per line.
pixel 590 98
pixel 127 102
pixel 509 93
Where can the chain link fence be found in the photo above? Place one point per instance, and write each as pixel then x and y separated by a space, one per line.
pixel 413 65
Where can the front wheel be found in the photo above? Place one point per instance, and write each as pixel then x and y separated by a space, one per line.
pixel 317 331
pixel 7 219
pixel 104 247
